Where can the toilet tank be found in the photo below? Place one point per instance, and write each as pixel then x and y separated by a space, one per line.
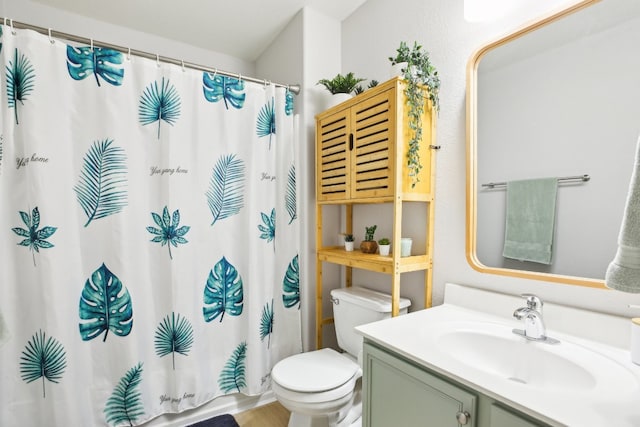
pixel 356 306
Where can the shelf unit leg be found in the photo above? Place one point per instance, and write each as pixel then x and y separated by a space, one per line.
pixel 319 316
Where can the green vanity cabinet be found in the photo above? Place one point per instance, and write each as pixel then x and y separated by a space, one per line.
pixel 401 393
pixel 398 393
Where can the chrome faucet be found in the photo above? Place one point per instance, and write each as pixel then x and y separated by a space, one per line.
pixel 534 328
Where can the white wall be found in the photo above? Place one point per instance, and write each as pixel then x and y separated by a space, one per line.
pixel 372 34
pixel 34 13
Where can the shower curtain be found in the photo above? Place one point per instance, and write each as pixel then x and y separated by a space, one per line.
pixel 149 235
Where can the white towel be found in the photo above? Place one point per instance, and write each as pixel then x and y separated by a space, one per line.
pixel 623 273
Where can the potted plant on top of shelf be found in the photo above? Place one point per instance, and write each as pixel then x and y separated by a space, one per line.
pixel 348 242
pixel 422 82
pixel 369 245
pixel 384 246
pixel 341 87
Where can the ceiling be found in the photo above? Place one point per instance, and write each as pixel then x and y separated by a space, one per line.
pixel 240 28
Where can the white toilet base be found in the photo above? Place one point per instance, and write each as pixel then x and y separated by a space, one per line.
pixel 349 416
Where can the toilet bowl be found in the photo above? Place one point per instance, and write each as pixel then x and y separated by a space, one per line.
pixel 317 387
pixel 322 388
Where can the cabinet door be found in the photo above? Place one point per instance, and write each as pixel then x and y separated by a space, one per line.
pixel 373 156
pixel 397 393
pixel 333 156
pixel 501 417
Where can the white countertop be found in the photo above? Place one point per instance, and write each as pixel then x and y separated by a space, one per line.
pixel 415 335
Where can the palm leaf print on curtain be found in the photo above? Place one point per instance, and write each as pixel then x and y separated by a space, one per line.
pixel 291 285
pixel 173 335
pixel 268 227
pixel 43 358
pixel 228 89
pixel 169 233
pixel 106 306
pixel 223 292
pixel 158 104
pixel 290 195
pixel 232 377
pixel 125 405
pixel 100 189
pixel 20 81
pixel 266 125
pixel 34 238
pixel 226 188
pixel 106 63
pixel 266 323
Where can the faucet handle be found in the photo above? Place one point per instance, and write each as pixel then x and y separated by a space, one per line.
pixel 533 302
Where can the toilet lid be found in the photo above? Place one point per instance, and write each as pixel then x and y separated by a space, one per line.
pixel 314 371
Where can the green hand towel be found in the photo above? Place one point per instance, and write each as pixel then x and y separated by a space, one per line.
pixel 623 273
pixel 530 222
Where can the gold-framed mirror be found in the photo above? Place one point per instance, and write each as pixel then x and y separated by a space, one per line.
pixel 586 124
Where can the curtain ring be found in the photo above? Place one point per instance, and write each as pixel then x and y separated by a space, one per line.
pixel 13 31
pixel 129 54
pixel 158 60
pixel 182 61
pixel 51 38
pixel 91 45
pixel 215 72
pixel 239 77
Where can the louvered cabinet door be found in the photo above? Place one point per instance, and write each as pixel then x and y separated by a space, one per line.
pixel 372 158
pixel 333 156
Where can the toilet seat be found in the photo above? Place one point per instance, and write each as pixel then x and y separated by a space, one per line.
pixel 315 377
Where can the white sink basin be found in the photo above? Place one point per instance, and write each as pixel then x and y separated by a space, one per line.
pixel 565 367
pixel 587 380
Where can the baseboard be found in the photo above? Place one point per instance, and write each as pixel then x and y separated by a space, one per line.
pixel 222 405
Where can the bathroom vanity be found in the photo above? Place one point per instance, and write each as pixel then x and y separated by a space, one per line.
pixel 456 365
pixel 401 392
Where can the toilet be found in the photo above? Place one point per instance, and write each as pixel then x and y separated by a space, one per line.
pixel 322 388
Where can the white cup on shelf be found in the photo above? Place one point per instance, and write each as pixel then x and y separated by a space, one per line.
pixel 405 246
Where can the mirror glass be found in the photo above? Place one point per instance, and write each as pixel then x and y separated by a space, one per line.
pixel 559 98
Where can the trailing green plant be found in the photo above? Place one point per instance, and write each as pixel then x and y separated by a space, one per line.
pixel 422 82
pixel 369 232
pixel 402 54
pixel 384 241
pixel 341 84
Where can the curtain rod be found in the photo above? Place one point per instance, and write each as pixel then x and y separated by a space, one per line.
pixel 582 178
pixel 295 88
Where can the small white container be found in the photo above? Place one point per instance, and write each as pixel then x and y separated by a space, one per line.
pixel 405 246
pixel 384 249
pixel 635 340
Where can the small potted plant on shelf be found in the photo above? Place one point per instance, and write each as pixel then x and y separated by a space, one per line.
pixel 341 87
pixel 348 242
pixel 369 245
pixel 422 82
pixel 384 246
